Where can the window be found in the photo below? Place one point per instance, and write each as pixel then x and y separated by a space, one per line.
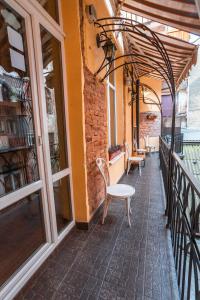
pixel 112 116
pixel 51 6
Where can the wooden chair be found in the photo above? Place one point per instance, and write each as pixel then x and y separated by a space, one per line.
pixel 136 159
pixel 115 191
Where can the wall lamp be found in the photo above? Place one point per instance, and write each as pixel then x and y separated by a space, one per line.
pixel 108 46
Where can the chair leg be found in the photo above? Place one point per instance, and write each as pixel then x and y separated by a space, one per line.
pixel 140 172
pixel 128 200
pixel 105 210
pixel 128 167
pixel 131 211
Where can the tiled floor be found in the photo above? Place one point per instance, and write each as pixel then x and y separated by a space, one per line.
pixel 113 261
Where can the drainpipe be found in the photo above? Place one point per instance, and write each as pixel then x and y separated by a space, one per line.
pixel 132 112
pixel 138 111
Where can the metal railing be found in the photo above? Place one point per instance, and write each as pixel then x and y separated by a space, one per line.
pixel 183 211
pixel 178 142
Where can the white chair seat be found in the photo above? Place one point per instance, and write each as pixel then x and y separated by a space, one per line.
pixel 136 158
pixel 142 150
pixel 116 191
pixel 120 190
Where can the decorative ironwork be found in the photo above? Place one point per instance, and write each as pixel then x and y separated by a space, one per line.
pixel 185 222
pixel 142 65
pixel 127 26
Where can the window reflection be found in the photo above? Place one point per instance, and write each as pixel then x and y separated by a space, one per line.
pixel 52 72
pixel 51 6
pixel 18 163
pixel 22 232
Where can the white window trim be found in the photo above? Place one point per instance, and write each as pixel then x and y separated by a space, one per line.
pixel 113 87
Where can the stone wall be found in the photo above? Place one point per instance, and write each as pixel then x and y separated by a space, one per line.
pixel 150 127
pixel 95 135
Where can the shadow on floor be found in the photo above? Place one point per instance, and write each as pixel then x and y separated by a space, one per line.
pixel 114 261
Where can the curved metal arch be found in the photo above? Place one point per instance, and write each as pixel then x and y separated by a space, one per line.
pixel 135 63
pixel 152 101
pixel 152 90
pixel 135 26
pixel 134 55
pixel 118 24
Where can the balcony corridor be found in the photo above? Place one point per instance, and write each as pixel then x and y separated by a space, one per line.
pixel 113 261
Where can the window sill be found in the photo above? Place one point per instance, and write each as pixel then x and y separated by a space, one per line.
pixel 116 158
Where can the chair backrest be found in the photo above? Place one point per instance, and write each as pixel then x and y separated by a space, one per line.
pixel 103 168
pixel 135 144
pixel 127 150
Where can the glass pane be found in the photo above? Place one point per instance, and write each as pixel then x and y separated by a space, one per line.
pixel 52 71
pixel 21 233
pixel 18 157
pixel 51 6
pixel 112 118
pixel 62 198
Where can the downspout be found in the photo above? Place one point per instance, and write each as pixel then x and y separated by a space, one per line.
pixel 138 111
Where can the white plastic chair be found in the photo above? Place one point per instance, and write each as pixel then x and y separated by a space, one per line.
pixel 148 147
pixel 133 160
pixel 114 191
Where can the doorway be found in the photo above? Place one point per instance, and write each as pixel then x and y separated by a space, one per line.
pixel 35 176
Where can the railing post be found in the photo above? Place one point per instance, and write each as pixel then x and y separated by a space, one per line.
pixel 170 171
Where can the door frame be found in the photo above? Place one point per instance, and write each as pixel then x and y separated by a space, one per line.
pixel 34 15
pixel 49 26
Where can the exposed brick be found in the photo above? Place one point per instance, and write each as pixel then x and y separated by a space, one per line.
pixel 95 135
pixel 150 127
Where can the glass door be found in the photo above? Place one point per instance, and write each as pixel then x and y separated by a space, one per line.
pixel 24 218
pixel 53 109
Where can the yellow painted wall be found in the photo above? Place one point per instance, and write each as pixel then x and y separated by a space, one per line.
pixel 116 170
pixel 127 109
pixel 75 82
pixel 156 85
pixel 120 100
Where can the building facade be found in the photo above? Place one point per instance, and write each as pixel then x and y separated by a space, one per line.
pixel 56 117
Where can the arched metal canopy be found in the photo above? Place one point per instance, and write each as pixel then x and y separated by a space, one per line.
pixel 181 14
pixel 154 54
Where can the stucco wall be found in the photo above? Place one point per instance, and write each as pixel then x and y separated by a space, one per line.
pixel 75 82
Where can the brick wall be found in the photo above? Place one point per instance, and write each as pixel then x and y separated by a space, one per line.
pixel 95 135
pixel 150 127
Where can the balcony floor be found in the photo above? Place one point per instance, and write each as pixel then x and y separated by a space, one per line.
pixel 113 261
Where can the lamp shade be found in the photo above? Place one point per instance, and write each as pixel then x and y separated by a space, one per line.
pixel 109 49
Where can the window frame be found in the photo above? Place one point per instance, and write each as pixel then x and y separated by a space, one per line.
pixel 113 87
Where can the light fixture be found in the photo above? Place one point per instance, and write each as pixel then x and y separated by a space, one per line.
pixel 91 13
pixel 108 46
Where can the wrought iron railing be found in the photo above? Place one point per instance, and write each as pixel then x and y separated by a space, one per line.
pixel 183 211
pixel 178 142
